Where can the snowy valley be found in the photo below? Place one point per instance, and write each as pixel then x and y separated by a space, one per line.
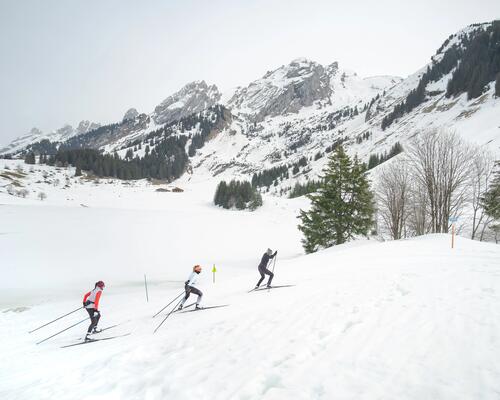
pixel 406 319
pixel 373 318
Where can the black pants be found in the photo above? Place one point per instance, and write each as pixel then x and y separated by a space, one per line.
pixel 94 318
pixel 191 289
pixel 263 272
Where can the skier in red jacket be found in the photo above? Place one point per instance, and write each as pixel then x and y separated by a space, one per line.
pixel 91 304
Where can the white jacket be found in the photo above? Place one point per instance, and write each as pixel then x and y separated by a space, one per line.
pixel 193 278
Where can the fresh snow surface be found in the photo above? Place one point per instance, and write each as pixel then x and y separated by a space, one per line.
pixel 410 319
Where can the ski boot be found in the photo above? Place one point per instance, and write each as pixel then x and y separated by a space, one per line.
pixel 180 308
pixel 198 307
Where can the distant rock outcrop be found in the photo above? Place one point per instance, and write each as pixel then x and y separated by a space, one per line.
pixel 192 98
pixel 131 114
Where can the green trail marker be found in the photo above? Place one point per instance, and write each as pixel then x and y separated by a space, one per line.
pixel 214 270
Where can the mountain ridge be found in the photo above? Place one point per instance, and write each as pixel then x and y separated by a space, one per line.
pixel 301 110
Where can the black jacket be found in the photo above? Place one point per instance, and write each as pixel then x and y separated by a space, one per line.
pixel 265 260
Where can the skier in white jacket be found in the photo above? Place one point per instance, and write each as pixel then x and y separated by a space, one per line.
pixel 190 287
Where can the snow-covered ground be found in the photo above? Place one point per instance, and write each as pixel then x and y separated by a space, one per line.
pixel 411 319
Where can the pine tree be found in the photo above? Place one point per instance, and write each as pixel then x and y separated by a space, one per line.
pixel 497 86
pixel 30 158
pixel 256 201
pixel 373 161
pixel 78 171
pixel 239 194
pixel 491 200
pixel 342 208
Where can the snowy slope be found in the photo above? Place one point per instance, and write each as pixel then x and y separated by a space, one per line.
pixel 398 320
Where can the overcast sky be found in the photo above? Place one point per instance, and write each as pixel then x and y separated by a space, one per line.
pixel 67 60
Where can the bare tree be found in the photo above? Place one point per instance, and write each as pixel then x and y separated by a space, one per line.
pixel 42 196
pixel 11 189
pixel 442 165
pixel 392 194
pixel 418 219
pixel 479 182
pixel 23 193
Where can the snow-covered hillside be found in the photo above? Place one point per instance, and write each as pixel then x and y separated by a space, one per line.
pixel 410 319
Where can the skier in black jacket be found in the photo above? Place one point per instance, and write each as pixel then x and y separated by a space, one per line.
pixel 268 255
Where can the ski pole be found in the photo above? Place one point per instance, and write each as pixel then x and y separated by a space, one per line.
pixel 168 304
pixel 274 264
pixel 168 315
pixel 55 334
pixel 57 319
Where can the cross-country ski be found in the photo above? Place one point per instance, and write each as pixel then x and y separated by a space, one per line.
pixel 88 341
pixel 203 308
pixel 256 289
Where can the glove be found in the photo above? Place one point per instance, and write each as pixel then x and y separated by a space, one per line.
pixel 86 303
pixel 276 252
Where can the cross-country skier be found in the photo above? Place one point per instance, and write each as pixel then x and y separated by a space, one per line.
pixel 190 287
pixel 91 304
pixel 268 255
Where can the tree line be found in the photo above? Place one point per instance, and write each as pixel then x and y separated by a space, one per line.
pixel 167 161
pixel 164 156
pixel 237 194
pixel 438 178
pixel 301 189
pixel 377 159
pixel 477 62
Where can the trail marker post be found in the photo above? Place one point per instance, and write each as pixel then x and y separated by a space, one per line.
pixel 214 270
pixel 146 287
pixel 453 220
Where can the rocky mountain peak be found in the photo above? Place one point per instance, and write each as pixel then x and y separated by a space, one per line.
pixel 284 90
pixel 86 126
pixel 192 98
pixel 65 132
pixel 131 114
pixel 35 131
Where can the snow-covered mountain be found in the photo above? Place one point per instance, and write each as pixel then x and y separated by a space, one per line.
pixel 288 89
pixel 299 111
pixel 192 98
pixel 59 135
